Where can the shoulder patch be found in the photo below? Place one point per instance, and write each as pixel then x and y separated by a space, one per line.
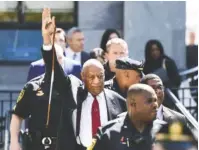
pixel 92 145
pixel 21 94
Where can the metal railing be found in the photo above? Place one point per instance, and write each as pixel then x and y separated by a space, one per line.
pixel 188 99
pixel 188 92
pixel 192 123
pixel 7 101
pixel 7 132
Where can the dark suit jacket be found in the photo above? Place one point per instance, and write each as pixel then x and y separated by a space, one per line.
pixel 171 115
pixel 37 68
pixel 69 86
pixel 168 115
pixel 84 57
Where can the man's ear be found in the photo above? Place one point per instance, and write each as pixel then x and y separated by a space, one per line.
pixel 82 76
pixel 106 56
pixel 138 78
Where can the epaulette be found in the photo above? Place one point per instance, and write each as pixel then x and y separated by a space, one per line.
pixel 108 84
pixel 112 122
pixel 36 82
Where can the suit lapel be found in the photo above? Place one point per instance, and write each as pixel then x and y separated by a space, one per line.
pixel 110 104
pixel 82 58
pixel 166 114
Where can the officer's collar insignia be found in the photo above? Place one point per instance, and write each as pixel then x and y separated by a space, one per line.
pixel 175 128
pixel 175 133
pixel 92 145
pixel 20 95
pixel 39 92
pixel 122 141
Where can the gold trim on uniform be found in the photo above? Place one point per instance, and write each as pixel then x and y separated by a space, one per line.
pixel 92 145
pixel 40 93
pixel 21 94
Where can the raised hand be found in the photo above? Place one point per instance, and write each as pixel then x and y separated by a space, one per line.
pixel 48 26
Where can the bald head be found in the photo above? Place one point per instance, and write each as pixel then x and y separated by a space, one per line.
pixel 92 63
pixel 138 89
pixel 141 102
pixel 93 76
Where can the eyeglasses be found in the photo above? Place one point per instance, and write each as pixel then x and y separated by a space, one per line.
pixel 159 87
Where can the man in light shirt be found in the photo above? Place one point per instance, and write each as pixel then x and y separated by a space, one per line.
pixel 75 40
pixel 37 67
pixel 115 48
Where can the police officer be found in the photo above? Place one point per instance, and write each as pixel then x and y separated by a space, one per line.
pixel 33 102
pixel 175 136
pixel 134 130
pixel 128 72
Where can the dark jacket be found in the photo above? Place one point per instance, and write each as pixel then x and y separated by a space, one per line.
pixel 108 73
pixel 168 115
pixel 37 68
pixel 191 56
pixel 120 134
pixel 171 68
pixel 84 57
pixel 113 85
pixel 72 89
pixel 171 115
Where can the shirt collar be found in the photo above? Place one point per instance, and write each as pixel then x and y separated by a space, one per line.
pixel 159 112
pixel 70 52
pixel 98 97
pixel 131 126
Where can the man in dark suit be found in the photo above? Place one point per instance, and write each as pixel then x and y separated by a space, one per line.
pixel 94 105
pixel 191 62
pixel 75 41
pixel 128 72
pixel 163 113
pixel 69 66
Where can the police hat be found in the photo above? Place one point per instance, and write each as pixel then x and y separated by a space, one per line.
pixel 126 63
pixel 175 135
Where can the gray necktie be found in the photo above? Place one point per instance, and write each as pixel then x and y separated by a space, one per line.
pixel 74 56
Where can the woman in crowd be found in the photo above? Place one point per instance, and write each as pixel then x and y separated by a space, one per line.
pixel 157 62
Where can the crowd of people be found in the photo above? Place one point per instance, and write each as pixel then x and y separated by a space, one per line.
pixel 104 100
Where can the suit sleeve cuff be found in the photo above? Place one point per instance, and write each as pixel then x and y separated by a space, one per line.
pixel 47 47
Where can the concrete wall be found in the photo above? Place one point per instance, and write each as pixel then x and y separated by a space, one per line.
pixel 138 21
pixel 95 17
pixel 164 21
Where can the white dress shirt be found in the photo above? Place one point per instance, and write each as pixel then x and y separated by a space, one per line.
pixel 70 54
pixel 85 133
pixel 160 113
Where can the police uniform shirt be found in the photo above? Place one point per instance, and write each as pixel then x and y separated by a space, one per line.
pixel 120 134
pixel 113 85
pixel 33 101
pixel 108 73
